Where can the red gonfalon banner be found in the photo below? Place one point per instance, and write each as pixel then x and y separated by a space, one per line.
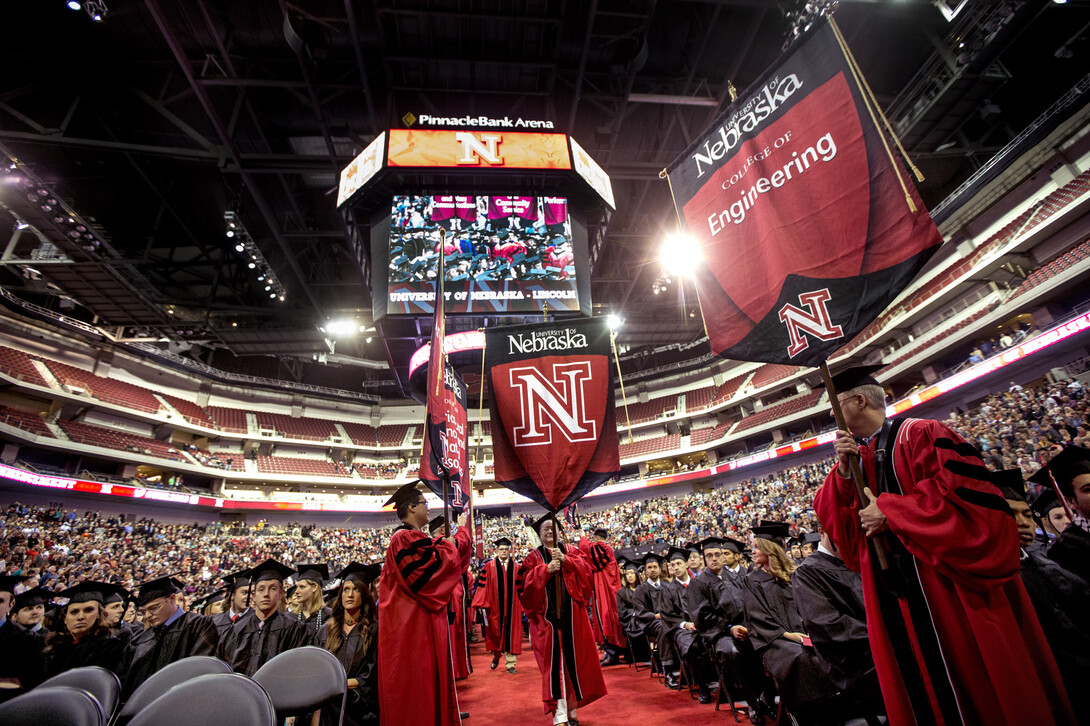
pixel 800 213
pixel 554 428
pixel 446 440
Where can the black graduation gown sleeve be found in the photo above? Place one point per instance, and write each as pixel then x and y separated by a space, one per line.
pixel 714 605
pixel 101 649
pixel 1071 551
pixel 1059 598
pixel 829 598
pixel 21 659
pixel 644 607
pixel 154 648
pixel 247 647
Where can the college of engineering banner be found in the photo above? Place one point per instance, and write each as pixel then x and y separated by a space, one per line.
pixel 800 213
pixel 554 430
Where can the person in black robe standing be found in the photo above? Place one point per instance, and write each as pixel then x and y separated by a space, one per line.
pixel 351 634
pixel 1059 597
pixel 21 664
pixel 83 640
pixel 238 601
pixel 829 597
pixel 265 632
pixel 313 612
pixel 170 633
pixel 776 628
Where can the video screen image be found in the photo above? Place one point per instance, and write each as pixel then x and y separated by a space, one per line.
pixel 501 254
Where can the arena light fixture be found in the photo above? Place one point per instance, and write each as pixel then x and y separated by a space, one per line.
pixel 74 5
pixel 245 245
pixel 680 254
pixel 614 321
pixel 342 328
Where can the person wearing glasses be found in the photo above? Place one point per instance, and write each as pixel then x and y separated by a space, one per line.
pixel 169 634
pixel 419 576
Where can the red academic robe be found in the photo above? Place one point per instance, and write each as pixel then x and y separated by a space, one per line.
pixel 458 647
pixel 967 619
pixel 496 594
pixel 567 635
pixel 606 578
pixel 415 668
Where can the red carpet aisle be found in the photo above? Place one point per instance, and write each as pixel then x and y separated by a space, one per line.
pixel 496 697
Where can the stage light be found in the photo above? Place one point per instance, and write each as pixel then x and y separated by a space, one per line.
pixel 240 247
pixel 614 321
pixel 75 5
pixel 272 295
pixel 252 264
pixel 21 225
pixel 342 328
pixel 680 254
pixel 230 233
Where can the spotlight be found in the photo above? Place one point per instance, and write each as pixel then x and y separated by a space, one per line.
pixel 281 298
pixel 239 247
pixel 252 265
pixel 342 328
pixel 272 294
pixel 614 321
pixel 74 5
pixel 680 254
pixel 230 233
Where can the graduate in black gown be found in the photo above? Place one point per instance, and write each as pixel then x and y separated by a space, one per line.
pixel 351 634
pixel 1059 597
pixel 82 639
pixel 1071 469
pixel 265 632
pixel 658 616
pixel 238 601
pixel 112 611
pixel 829 596
pixel 626 609
pixel 312 608
pixel 170 633
pixel 21 664
pixel 28 610
pixel 776 628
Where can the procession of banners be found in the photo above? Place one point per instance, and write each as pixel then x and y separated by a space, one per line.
pixel 808 225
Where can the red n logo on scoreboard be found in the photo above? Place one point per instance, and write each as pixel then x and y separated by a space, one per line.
pixel 558 402
pixel 815 321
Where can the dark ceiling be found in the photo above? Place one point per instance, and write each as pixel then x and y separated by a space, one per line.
pixel 150 124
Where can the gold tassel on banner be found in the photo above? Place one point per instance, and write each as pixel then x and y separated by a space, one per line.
pixel 872 104
pixel 620 379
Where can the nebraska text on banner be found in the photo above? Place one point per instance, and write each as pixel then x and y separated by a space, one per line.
pixel 554 431
pixel 801 212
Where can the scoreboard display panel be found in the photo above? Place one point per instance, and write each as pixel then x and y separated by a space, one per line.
pixel 502 254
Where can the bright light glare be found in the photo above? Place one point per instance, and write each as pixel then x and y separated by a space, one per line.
pixel 614 321
pixel 74 5
pixel 680 254
pixel 342 328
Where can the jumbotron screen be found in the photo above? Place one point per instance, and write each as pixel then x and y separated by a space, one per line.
pixel 502 254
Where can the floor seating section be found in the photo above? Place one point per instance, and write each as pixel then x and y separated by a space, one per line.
pixel 108 390
pixel 25 420
pixel 778 410
pixel 83 433
pixel 291 427
pixel 19 365
pixel 303 467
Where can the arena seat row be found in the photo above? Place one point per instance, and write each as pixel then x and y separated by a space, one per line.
pixel 190 411
pixel 699 437
pixel 376 471
pixel 650 445
pixel 19 365
pixel 778 410
pixel 119 393
pixel 84 433
pixel 1053 267
pixel 300 466
pixel 230 420
pixel 643 411
pixel 26 420
pixel 312 429
pixel 770 373
pixel 947 331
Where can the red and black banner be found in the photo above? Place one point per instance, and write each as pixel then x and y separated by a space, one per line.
pixel 446 440
pixel 554 428
pixel 800 212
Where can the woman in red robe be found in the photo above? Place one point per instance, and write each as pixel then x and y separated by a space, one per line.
pixel 419 576
pixel 554 585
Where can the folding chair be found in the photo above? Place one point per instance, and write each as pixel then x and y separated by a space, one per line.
pixel 302 680
pixel 101 684
pixel 227 698
pixel 53 706
pixel 166 678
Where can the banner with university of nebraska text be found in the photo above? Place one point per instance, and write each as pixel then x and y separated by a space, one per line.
pixel 800 213
pixel 554 428
pixel 446 440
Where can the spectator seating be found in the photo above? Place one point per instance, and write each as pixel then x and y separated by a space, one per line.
pixel 768 374
pixel 699 398
pixel 377 471
pixel 228 420
pixel 726 391
pixel 190 411
pixel 642 412
pixel 125 395
pixel 361 434
pixel 779 410
pixel 1053 267
pixel 26 420
pixel 312 429
pixel 393 435
pixel 298 466
pixel 699 437
pixel 83 433
pixel 947 331
pixel 17 364
pixel 650 445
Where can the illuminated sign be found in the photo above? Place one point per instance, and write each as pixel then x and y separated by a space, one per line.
pixel 593 174
pixel 477 149
pixel 452 343
pixel 362 168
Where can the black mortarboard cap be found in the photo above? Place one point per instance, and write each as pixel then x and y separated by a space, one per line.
pixel 502 542
pixel 854 377
pixel 792 541
pixel 30 598
pixel 406 493
pixel 270 569
pixel 811 538
pixel 89 591
pixel 774 531
pixel 627 553
pixel 676 553
pixel 436 524
pixel 365 573
pixel 725 543
pixel 1045 502
pixel 1010 483
pixel 157 588
pixel 235 580
pixel 207 600
pixel 1066 466
pixel 536 526
pixel 629 565
pixel 8 582
pixel 601 533
pixel 314 571
pixel 651 557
